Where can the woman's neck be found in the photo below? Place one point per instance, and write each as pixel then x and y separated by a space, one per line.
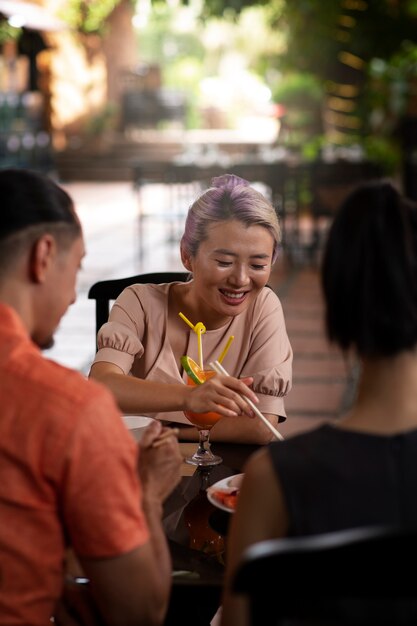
pixel 387 395
pixel 182 297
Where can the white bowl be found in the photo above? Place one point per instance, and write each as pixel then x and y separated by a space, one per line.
pixel 136 424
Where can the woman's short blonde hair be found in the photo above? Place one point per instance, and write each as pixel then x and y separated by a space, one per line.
pixel 229 198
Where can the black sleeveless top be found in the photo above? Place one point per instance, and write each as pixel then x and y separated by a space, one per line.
pixel 334 479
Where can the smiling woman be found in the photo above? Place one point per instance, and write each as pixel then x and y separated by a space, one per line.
pixel 230 242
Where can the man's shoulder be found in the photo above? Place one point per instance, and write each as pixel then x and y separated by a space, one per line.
pixel 60 381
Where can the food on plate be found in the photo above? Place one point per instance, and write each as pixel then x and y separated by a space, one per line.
pixel 225 492
pixel 227 497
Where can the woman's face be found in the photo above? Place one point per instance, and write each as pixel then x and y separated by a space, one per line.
pixel 230 268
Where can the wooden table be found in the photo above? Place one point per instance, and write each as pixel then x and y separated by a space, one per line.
pixel 197 534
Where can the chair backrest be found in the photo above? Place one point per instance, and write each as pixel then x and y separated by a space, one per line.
pixel 104 291
pixel 348 577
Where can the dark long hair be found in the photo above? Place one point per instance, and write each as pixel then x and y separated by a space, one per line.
pixel 369 272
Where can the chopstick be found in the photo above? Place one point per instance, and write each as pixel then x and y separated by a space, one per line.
pixel 217 367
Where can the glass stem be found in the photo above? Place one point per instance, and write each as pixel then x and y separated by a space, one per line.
pixel 203 442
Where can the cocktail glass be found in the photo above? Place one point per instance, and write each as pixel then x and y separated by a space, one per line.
pixel 203 457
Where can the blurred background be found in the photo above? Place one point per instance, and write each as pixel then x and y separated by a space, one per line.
pixel 91 88
pixel 303 96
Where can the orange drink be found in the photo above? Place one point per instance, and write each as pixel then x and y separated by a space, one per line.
pixel 203 457
pixel 202 420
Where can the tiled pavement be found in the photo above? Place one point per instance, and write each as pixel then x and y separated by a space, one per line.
pixel 323 383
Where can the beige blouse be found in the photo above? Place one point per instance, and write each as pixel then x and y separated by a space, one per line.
pixel 135 339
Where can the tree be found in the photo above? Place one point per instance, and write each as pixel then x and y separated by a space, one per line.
pixel 338 42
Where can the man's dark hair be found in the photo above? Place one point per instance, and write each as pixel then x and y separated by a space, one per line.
pixel 29 199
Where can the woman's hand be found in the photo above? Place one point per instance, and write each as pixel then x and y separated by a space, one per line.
pixel 222 394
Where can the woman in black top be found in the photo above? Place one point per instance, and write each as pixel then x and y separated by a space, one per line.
pixel 363 469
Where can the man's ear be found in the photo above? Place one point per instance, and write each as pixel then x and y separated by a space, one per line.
pixel 185 258
pixel 42 255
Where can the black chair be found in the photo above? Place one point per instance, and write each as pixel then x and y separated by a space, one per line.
pixel 356 577
pixel 104 291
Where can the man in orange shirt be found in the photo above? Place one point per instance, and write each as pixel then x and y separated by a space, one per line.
pixel 68 466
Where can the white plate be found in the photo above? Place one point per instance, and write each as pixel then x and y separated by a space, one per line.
pixel 136 424
pixel 227 484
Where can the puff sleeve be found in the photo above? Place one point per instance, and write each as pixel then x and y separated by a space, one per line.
pixel 119 341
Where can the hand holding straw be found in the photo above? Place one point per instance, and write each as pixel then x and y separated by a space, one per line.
pixel 225 349
pixel 215 365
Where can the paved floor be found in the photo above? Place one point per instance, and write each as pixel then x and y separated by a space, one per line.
pixel 323 383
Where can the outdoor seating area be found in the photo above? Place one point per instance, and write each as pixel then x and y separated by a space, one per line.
pixel 324 383
pixel 208 327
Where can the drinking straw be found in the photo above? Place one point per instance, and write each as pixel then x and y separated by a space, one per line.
pixel 187 321
pixel 215 365
pixel 199 329
pixel 226 348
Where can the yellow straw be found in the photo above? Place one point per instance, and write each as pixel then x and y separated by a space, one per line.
pixel 187 321
pixel 199 329
pixel 226 348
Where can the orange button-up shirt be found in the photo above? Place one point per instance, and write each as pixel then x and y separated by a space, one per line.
pixel 67 476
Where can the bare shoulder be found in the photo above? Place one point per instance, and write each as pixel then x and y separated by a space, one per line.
pixel 259 467
pixel 261 492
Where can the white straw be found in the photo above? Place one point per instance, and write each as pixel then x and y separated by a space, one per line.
pixel 217 367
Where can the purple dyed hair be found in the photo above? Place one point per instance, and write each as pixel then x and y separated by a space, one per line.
pixel 229 198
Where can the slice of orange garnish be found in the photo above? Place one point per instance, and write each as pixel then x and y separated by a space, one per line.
pixel 193 370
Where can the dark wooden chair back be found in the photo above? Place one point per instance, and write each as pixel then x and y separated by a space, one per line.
pixel 105 291
pixel 356 577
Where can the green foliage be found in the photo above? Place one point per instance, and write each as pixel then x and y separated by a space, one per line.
pixel 102 120
pixel 311 149
pixel 392 81
pixel 88 16
pixel 7 32
pixel 228 8
pixel 383 151
pixel 178 51
pixel 301 94
pixel 163 42
pixel 194 54
pixel 296 51
pixel 298 89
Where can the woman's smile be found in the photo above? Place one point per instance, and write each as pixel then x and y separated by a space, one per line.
pixel 230 268
pixel 233 298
